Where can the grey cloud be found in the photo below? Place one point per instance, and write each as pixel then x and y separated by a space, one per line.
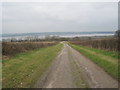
pixel 50 17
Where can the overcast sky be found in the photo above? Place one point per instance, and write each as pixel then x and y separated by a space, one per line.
pixel 59 17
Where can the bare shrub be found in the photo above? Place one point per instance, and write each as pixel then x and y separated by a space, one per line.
pixel 12 48
pixel 105 44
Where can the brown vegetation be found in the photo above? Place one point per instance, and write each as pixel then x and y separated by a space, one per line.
pixel 105 44
pixel 12 48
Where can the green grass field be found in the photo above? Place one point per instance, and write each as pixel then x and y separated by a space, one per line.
pixel 106 59
pixel 23 70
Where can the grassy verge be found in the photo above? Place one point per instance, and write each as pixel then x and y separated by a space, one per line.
pixel 24 69
pixel 101 57
pixel 111 54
